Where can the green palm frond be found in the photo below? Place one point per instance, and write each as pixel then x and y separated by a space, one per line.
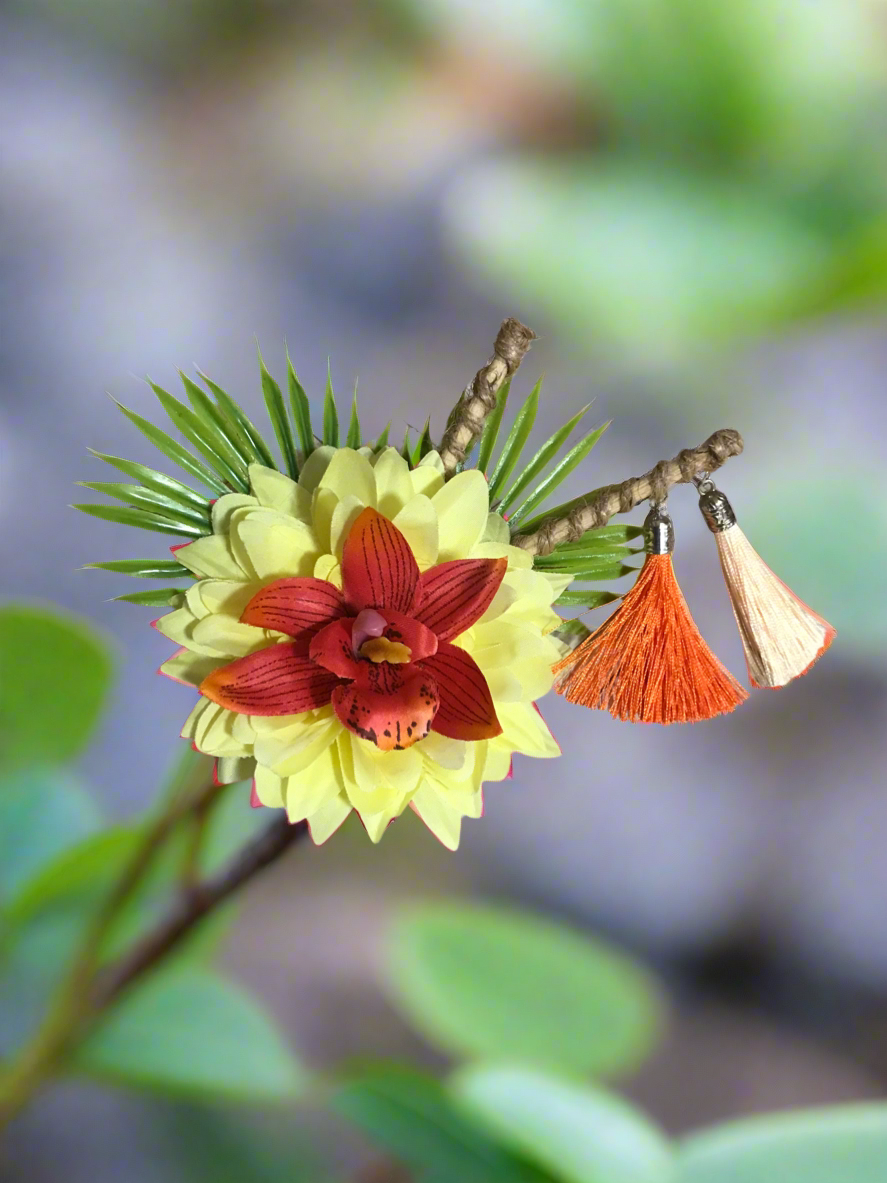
pixel 330 413
pixel 352 440
pixel 491 429
pixel 239 421
pixel 382 441
pixel 159 481
pixel 150 499
pixel 585 599
pixel 279 420
pixel 163 597
pixel 144 568
pixel 205 437
pixel 514 444
pixel 301 409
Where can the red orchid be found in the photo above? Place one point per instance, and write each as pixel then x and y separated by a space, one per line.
pixel 380 651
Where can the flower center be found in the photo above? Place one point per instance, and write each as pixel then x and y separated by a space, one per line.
pixel 379 649
pixel 368 623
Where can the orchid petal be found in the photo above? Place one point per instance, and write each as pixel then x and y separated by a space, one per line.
pixel 452 596
pixel 391 708
pixel 378 567
pixel 274 681
pixel 466 706
pixel 333 648
pixel 293 606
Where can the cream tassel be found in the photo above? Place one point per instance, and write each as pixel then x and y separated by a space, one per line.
pixel 781 636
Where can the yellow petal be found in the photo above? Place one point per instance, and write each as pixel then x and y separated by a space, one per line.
pixel 323 506
pixel 210 558
pixel 231 770
pixel 417 521
pixel 526 730
pixel 269 788
pixel 462 507
pixel 275 490
pixel 213 734
pixel 229 638
pixel 230 596
pixel 517 559
pixel 426 478
pixel 315 466
pixel 350 474
pixel 310 792
pixel 291 752
pixel 225 506
pixel 325 821
pixel 496 529
pixel 271 545
pixel 439 816
pixel 393 485
pixel 179 626
pixel 345 515
pixel 191 668
pixel 327 567
pixel 498 760
pixel 193 721
pixel 376 824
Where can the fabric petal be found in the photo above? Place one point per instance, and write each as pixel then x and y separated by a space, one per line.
pixel 231 770
pixel 378 567
pixel 444 822
pixel 225 506
pixel 421 640
pixel 393 486
pixel 190 668
pixel 277 491
pixel 268 788
pixel 332 648
pixel 390 708
pixel 526 731
pixel 324 822
pixel 271 545
pixel 328 567
pixel 292 606
pixel 346 513
pixel 452 596
pixel 466 705
pixel 463 506
pixel 274 681
pixel 227 636
pixel 417 521
pixel 350 474
pixel 315 466
pixel 210 558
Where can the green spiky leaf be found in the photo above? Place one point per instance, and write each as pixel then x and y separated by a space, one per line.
pixel 353 438
pixel 595 570
pixel 423 444
pixel 143 519
pixel 546 453
pixel 558 474
pixel 279 420
pixel 382 441
pixel 406 448
pixel 514 445
pixel 159 481
pixel 301 410
pixel 572 632
pixel 330 413
pixel 615 532
pixel 205 438
pixel 585 599
pixel 491 428
pixel 161 597
pixel 237 417
pixel 568 560
pixel 151 500
pixel 174 451
pixel 144 568
pixel 237 444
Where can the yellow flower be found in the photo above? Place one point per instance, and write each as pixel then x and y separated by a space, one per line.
pixel 313 763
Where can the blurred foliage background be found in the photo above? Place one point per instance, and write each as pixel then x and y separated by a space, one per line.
pixel 687 200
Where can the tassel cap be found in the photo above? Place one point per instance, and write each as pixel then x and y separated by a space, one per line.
pixel 716 509
pixel 658 531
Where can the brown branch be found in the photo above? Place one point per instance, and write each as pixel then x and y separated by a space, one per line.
pixel 596 509
pixel 479 397
pixel 191 909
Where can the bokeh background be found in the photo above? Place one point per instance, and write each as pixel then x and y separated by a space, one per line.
pixel 687 199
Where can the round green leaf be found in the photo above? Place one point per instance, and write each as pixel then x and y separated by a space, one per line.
pixel 844 1144
pixel 480 981
pixel 189 1031
pixel 579 1133
pixel 54 675
pixel 42 814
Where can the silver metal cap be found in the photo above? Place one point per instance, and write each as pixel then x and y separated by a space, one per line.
pixel 658 531
pixel 716 509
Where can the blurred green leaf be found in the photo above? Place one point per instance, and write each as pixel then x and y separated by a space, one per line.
pixel 482 981
pixel 514 444
pixel 190 1031
pixel 636 256
pixel 580 1133
pixel 279 420
pixel 42 814
pixel 410 1115
pixel 844 1144
pixel 55 673
pixel 491 428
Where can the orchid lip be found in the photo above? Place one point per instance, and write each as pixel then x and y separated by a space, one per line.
pixel 367 624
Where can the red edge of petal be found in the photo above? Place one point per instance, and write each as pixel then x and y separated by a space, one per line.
pixel 466 705
pixel 271 682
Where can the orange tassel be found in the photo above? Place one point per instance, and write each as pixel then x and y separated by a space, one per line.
pixel 649 663
pixel 781 636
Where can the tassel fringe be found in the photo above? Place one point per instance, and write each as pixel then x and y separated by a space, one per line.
pixel 781 636
pixel 649 663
